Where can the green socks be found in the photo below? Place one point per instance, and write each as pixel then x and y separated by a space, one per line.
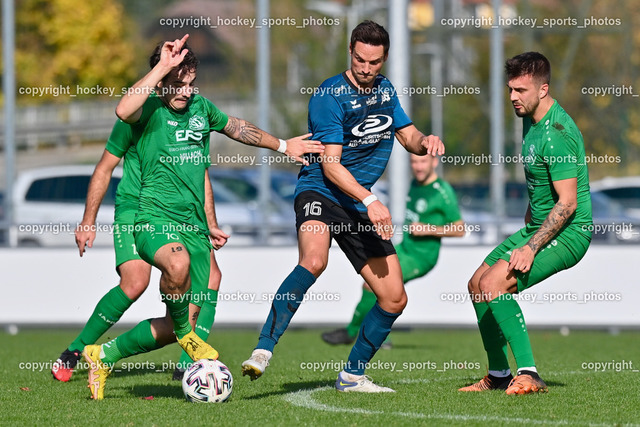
pixel 135 341
pixel 179 311
pixel 508 315
pixel 492 338
pixel 107 312
pixel 203 324
pixel 366 303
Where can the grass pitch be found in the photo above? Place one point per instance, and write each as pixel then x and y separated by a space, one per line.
pixel 592 376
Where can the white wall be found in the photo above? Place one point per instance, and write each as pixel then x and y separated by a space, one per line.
pixel 45 286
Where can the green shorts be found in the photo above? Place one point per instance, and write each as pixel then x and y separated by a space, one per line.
pixel 563 252
pixel 124 244
pixel 151 237
pixel 414 266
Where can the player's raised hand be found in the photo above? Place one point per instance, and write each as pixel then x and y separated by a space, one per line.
pixel 172 53
pixel 300 145
pixel 381 219
pixel 85 235
pixel 433 144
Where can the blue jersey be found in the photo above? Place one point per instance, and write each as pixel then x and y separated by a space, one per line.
pixel 363 123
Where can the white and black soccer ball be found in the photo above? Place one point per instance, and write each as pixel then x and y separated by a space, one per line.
pixel 207 381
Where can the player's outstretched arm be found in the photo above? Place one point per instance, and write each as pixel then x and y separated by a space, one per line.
pixel 342 178
pixel 129 109
pixel 416 142
pixel 567 190
pixel 249 134
pixel 85 232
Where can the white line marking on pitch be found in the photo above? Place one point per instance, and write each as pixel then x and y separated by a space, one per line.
pixel 304 399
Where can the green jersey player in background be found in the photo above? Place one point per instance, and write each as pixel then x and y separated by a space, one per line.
pixel 171 125
pixel 431 213
pixel 557 226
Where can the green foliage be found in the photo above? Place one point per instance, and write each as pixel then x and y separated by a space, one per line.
pixel 69 43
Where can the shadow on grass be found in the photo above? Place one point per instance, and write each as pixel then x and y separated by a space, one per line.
pixel 291 387
pixel 158 390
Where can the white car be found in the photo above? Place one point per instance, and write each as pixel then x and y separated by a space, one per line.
pixel 48 204
pixel 625 191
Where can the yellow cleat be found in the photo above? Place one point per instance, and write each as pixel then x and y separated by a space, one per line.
pixel 98 371
pixel 196 348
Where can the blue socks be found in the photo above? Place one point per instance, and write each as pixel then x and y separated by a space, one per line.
pixel 285 303
pixel 375 328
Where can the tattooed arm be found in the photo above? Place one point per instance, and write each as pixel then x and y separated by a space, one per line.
pixel 249 134
pixel 567 190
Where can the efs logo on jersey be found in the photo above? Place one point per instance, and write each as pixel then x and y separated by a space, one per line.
pixel 189 136
pixel 372 124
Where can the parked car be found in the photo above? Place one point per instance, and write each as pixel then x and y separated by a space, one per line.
pixel 49 203
pixel 612 224
pixel 625 190
pixel 278 220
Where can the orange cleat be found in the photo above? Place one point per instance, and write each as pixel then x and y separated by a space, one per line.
pixel 525 384
pixel 489 383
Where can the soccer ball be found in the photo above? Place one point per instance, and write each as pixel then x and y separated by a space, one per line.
pixel 207 381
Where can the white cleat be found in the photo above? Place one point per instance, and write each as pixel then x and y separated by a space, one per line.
pixel 256 364
pixel 362 384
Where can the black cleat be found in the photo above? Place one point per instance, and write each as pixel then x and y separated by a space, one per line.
pixel 337 337
pixel 178 373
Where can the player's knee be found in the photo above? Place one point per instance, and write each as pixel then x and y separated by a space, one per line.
pixel 473 286
pixel 134 287
pixel 486 287
pixel 393 303
pixel 314 264
pixel 176 271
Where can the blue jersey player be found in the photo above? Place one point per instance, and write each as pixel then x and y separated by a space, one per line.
pixel 356 115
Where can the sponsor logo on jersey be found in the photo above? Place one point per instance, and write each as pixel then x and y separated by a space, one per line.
pixel 372 124
pixel 355 104
pixel 172 123
pixel 186 135
pixel 373 100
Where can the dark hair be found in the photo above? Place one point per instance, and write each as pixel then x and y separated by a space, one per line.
pixel 533 64
pixel 189 63
pixel 369 32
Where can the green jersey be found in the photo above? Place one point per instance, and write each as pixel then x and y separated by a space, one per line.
pixel 121 144
pixel 434 204
pixel 553 150
pixel 174 156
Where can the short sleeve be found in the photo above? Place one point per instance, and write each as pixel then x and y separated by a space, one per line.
pixel 561 156
pixel 400 118
pixel 217 119
pixel 120 139
pixel 325 119
pixel 451 209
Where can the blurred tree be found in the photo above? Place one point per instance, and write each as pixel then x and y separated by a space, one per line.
pixel 70 43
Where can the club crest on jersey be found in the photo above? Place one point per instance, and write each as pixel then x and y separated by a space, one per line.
pixel 196 123
pixel 372 124
pixel 421 205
